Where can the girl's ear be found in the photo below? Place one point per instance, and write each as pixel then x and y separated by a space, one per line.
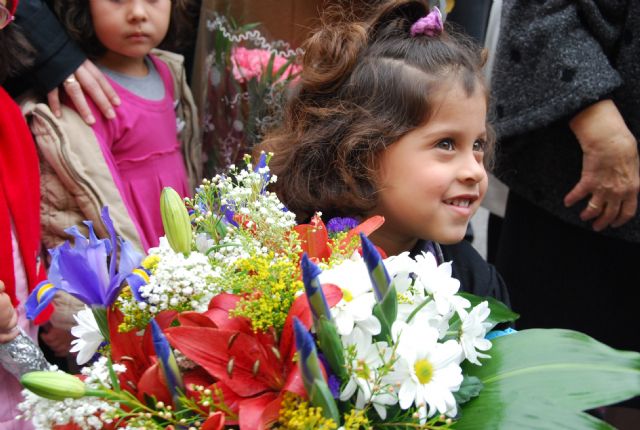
pixel 405 12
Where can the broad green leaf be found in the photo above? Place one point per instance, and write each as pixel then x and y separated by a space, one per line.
pixel 544 379
pixel 470 388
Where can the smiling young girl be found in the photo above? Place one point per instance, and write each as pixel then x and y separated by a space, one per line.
pixel 390 119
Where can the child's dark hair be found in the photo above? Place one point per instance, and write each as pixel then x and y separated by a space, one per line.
pixel 75 16
pixel 363 86
pixel 16 53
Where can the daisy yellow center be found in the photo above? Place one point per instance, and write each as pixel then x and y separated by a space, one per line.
pixel 346 295
pixel 424 371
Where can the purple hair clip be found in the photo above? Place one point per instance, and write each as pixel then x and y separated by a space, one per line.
pixel 430 25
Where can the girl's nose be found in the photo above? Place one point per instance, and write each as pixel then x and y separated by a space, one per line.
pixel 138 10
pixel 472 168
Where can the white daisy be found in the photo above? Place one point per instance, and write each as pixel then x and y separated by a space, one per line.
pixel 356 306
pixel 427 372
pixel 437 281
pixel 88 336
pixel 364 373
pixel 472 333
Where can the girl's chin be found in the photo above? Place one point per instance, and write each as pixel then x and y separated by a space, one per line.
pixel 451 238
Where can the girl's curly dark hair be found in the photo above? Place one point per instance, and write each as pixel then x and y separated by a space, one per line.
pixel 364 84
pixel 75 16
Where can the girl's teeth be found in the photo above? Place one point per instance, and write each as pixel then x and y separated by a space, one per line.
pixel 461 203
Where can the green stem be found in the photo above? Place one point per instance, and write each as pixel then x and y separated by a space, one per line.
pixel 417 309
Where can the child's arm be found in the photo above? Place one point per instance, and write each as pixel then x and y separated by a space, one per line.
pixel 18 353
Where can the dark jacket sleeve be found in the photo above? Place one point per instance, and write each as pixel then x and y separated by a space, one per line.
pixel 57 55
pixel 553 59
pixel 476 276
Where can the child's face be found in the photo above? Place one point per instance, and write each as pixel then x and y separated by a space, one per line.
pixel 433 178
pixel 130 28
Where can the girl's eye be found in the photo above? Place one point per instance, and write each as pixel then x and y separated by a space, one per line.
pixel 446 144
pixel 479 145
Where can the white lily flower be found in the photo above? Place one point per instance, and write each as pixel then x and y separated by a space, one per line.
pixel 88 336
pixel 473 330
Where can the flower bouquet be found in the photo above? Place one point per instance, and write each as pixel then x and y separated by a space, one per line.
pixel 243 319
pixel 247 79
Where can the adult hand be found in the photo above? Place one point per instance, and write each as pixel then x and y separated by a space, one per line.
pixel 86 80
pixel 610 166
pixel 8 318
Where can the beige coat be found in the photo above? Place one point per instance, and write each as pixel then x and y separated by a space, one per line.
pixel 76 182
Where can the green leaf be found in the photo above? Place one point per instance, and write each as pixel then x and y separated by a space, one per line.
pixel 100 315
pixel 331 346
pixel 320 396
pixel 544 379
pixel 386 311
pixel 470 388
pixel 282 69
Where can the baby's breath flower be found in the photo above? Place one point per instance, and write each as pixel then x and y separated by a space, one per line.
pixel 177 282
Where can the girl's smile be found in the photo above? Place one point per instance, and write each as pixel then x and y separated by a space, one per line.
pixel 433 179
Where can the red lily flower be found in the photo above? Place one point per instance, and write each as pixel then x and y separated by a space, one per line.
pixel 252 370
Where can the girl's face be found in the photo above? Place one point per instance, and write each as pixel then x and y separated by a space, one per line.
pixel 433 178
pixel 129 29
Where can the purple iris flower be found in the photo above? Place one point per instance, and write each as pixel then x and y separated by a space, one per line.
pixel 228 215
pixel 339 224
pixel 332 380
pixel 87 270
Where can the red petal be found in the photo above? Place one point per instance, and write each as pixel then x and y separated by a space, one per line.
pixel 209 348
pixel 367 226
pixel 251 410
pixel 214 422
pixel 195 319
pixel 126 348
pixel 219 309
pixel 314 238
pixel 271 412
pixel 152 384
pixel 197 376
pixel 300 309
pixel 294 383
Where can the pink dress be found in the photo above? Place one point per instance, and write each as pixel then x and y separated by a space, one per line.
pixel 142 150
pixel 10 390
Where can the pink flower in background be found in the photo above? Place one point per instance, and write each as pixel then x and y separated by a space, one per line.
pixel 250 63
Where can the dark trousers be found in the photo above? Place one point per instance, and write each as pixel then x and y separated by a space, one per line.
pixel 560 275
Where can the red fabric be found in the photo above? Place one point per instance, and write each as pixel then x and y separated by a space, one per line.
pixel 19 196
pixel 13 7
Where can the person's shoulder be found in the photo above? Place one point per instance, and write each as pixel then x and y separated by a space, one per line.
pixel 171 60
pixel 476 276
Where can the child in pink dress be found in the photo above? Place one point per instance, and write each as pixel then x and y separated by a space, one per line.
pixel 140 146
